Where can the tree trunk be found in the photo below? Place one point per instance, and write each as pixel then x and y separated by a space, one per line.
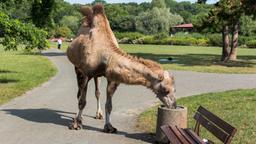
pixel 225 45
pixel 233 52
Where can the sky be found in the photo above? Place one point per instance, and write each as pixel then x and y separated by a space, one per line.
pixel 126 1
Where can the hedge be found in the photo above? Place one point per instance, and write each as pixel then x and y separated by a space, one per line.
pixel 181 38
pixel 251 44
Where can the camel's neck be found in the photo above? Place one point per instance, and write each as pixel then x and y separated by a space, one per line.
pixel 132 71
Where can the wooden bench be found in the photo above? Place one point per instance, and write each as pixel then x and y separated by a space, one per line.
pixel 218 127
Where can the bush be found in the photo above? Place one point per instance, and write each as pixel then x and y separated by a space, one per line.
pixel 14 33
pixel 129 35
pixel 202 42
pixel 149 40
pixel 215 39
pixel 185 41
pixel 160 36
pixel 63 32
pixel 242 40
pixel 251 44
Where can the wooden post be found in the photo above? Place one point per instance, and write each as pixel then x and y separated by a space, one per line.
pixel 171 117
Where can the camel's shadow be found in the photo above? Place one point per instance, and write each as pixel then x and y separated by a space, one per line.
pixel 61 118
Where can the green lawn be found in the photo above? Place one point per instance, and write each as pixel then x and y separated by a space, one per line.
pixel 20 72
pixel 237 107
pixel 191 58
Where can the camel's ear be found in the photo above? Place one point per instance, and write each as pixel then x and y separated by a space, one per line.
pixel 87 12
pixel 98 9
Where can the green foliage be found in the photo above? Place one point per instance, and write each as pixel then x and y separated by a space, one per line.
pixel 129 35
pixel 247 26
pixel 14 33
pixel 157 20
pixel 251 43
pixel 18 9
pixel 160 36
pixel 158 3
pixel 215 39
pixel 188 41
pixel 201 1
pixel 41 13
pixel 119 17
pixel 72 22
pixel 63 31
pixel 149 40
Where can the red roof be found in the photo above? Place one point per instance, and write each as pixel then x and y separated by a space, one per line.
pixel 190 25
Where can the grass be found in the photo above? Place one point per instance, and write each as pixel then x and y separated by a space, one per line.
pixel 192 58
pixel 237 107
pixel 200 59
pixel 20 72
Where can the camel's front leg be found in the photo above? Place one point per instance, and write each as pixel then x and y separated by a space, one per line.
pixel 99 114
pixel 111 88
pixel 82 84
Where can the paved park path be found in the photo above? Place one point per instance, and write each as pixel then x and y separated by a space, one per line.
pixel 41 116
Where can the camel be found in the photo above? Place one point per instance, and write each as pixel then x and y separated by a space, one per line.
pixel 83 31
pixel 97 54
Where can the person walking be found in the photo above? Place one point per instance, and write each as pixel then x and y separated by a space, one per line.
pixel 59 43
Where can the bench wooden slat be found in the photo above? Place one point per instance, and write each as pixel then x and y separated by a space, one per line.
pixel 179 135
pixel 170 135
pixel 216 131
pixel 186 136
pixel 219 122
pixel 194 136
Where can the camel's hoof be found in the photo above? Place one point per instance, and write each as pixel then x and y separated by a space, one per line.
pixel 108 128
pixel 76 125
pixel 99 116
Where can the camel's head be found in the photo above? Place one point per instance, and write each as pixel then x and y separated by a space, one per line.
pixel 99 17
pixel 165 89
pixel 88 16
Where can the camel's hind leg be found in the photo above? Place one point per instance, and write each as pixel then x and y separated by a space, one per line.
pixel 81 95
pixel 99 114
pixel 111 88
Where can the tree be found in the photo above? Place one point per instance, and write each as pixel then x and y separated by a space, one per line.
pixel 41 13
pixel 63 31
pixel 18 9
pixel 13 33
pixel 158 3
pixel 71 22
pixel 201 1
pixel 247 25
pixel 227 14
pixel 157 20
